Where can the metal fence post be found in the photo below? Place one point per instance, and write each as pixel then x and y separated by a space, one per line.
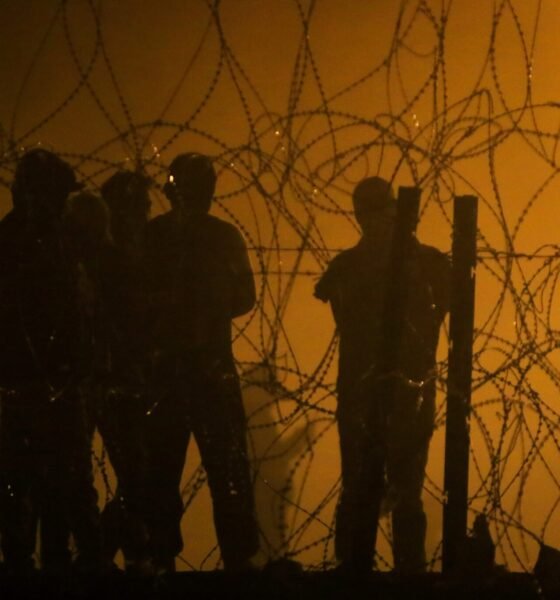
pixel 461 324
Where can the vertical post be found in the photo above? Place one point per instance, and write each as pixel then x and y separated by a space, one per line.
pixel 384 385
pixel 461 323
pixel 408 204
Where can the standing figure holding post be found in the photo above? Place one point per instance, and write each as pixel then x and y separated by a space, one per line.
pixel 389 296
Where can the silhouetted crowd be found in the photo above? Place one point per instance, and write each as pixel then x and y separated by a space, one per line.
pixel 115 322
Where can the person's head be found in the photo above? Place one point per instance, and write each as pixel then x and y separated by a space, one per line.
pixel 42 184
pixel 87 220
pixel 374 207
pixel 127 196
pixel 191 183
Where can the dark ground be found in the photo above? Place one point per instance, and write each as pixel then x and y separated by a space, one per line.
pixel 272 586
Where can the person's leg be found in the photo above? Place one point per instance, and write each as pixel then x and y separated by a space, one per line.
pixel 409 519
pixel 406 464
pixel 111 517
pixel 55 553
pixel 18 475
pixel 121 425
pixel 219 427
pixel 166 437
pixel 362 474
pixel 56 516
pixel 69 480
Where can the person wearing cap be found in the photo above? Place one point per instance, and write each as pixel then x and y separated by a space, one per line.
pixel 383 451
pixel 45 461
pixel 199 278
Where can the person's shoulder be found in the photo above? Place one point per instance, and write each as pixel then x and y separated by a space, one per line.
pixel 9 220
pixel 337 270
pixel 159 227
pixel 345 258
pixel 222 225
pixel 159 222
pixel 223 231
pixel 436 269
pixel 159 236
pixel 433 257
pixel 10 226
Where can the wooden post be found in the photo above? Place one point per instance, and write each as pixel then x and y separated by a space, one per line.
pixel 461 323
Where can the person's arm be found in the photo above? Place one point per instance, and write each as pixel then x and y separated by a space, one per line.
pixel 436 271
pixel 324 287
pixel 441 283
pixel 243 293
pixel 328 288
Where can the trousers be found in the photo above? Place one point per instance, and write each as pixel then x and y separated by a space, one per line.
pixel 208 407
pixel 381 455
pixel 46 474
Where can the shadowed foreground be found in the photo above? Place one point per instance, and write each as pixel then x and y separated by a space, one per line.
pixel 272 585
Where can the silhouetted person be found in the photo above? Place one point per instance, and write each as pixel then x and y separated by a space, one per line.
pixel 376 441
pixel 45 462
pixel 200 279
pixel 116 384
pixel 121 415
